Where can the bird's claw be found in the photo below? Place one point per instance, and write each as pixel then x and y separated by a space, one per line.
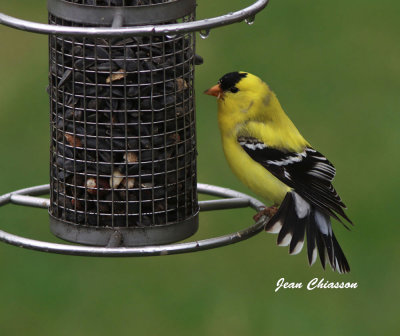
pixel 269 212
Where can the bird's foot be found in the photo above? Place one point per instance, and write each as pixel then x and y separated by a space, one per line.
pixel 269 212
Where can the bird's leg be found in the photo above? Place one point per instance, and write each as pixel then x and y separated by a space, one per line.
pixel 270 212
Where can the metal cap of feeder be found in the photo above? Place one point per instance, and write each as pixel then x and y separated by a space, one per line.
pixel 123 147
pixel 128 15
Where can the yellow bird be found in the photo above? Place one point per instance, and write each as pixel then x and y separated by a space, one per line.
pixel 269 155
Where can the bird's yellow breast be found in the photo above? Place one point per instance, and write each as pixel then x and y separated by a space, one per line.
pixel 252 174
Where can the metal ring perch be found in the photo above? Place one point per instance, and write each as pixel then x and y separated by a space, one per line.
pixel 232 199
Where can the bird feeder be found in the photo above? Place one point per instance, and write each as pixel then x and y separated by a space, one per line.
pixel 123 178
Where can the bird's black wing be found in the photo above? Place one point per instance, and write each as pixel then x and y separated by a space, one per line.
pixel 309 173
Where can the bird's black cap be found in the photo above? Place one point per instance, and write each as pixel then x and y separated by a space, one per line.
pixel 229 80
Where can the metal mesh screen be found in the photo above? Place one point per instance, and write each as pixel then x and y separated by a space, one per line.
pixel 123 145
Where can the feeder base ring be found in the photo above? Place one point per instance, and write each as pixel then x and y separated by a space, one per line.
pixel 232 199
pixel 129 236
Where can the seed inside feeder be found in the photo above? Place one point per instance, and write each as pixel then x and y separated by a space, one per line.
pixel 116 76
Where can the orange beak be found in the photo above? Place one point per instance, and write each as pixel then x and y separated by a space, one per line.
pixel 214 91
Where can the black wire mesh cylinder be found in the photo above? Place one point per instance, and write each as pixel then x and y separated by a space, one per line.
pixel 123 140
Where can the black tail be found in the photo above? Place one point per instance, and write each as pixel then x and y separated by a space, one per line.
pixel 294 218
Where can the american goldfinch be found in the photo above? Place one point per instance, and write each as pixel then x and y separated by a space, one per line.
pixel 269 155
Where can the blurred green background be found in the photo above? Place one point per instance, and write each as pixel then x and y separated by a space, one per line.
pixel 335 66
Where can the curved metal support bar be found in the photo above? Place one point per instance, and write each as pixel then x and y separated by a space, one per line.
pixel 20 198
pixel 193 246
pixel 36 202
pixel 160 250
pixel 177 28
pixel 31 191
pixel 229 203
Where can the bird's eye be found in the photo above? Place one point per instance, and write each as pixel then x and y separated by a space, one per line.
pixel 234 89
